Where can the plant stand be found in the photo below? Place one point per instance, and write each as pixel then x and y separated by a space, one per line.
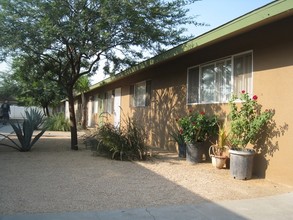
pixel 193 153
pixel 241 163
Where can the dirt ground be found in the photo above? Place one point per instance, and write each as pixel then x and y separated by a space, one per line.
pixel 53 178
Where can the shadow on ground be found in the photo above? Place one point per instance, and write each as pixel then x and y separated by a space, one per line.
pixel 52 179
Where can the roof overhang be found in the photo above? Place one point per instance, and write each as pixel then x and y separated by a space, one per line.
pixel 267 14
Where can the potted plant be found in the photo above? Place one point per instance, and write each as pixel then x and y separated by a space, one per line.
pixel 247 121
pixel 218 150
pixel 195 129
pixel 179 139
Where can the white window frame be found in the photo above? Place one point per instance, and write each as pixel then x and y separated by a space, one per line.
pixel 231 58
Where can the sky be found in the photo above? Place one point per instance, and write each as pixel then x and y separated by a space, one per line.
pixel 212 12
pixel 218 12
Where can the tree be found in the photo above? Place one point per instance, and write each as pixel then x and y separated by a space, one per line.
pixel 71 37
pixel 31 86
pixel 8 89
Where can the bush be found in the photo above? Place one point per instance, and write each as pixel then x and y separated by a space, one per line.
pixel 247 120
pixel 125 143
pixel 57 122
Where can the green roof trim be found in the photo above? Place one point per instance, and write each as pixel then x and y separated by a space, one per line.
pixel 268 11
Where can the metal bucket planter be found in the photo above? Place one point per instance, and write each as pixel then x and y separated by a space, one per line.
pixel 194 152
pixel 182 150
pixel 241 164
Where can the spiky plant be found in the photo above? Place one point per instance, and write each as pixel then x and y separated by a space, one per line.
pixel 33 120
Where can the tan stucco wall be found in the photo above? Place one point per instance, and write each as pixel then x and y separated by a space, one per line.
pixel 272 48
pixel 273 80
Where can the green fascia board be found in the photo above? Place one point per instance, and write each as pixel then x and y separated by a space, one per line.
pixel 252 18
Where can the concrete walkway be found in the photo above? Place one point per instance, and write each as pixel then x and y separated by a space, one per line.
pixel 268 208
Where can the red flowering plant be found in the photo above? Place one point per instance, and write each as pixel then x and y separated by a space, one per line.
pixel 197 126
pixel 247 120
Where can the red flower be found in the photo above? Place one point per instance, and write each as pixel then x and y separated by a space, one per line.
pixel 254 97
pixel 181 131
pixel 243 91
pixel 190 111
pixel 202 113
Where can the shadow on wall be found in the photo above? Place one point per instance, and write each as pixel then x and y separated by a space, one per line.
pixel 167 105
pixel 266 146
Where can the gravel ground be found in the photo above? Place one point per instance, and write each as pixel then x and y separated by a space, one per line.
pixel 52 178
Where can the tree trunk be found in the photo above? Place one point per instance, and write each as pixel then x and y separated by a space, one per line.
pixel 73 127
pixel 84 111
pixel 47 111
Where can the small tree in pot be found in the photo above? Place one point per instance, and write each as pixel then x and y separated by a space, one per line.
pixel 218 151
pixel 247 121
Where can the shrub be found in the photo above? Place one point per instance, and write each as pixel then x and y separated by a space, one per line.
pixel 124 143
pixel 247 120
pixel 57 122
pixel 197 126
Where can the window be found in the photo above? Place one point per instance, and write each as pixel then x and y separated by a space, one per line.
pixel 216 81
pixel 109 101
pixel 243 73
pixel 140 94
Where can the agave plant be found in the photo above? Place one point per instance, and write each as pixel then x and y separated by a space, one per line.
pixel 32 121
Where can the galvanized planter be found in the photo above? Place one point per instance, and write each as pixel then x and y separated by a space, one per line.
pixel 241 164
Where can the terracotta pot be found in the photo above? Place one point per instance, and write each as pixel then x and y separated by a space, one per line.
pixel 220 161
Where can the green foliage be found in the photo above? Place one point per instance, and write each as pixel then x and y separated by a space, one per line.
pixel 8 87
pixel 177 136
pixel 32 121
pixel 84 32
pixel 125 143
pixel 222 143
pixel 197 126
pixel 82 85
pixel 34 86
pixel 68 39
pixel 247 120
pixel 57 122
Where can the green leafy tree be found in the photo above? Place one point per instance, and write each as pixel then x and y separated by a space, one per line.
pixel 8 88
pixel 71 37
pixel 31 85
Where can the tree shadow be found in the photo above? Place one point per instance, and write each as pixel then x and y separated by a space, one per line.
pixel 266 146
pixel 167 105
pixel 52 178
